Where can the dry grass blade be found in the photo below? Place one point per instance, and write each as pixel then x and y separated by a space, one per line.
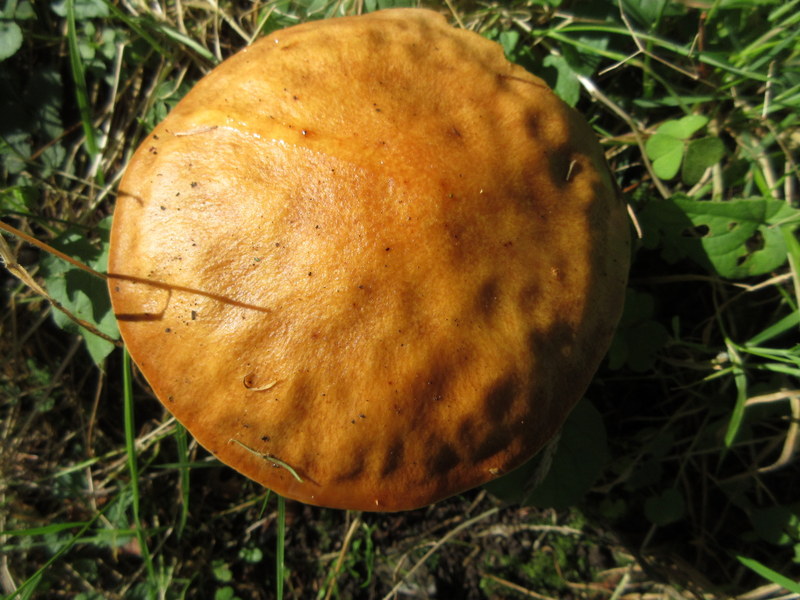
pixel 516 587
pixel 9 261
pixel 18 271
pixel 356 523
pixel 439 543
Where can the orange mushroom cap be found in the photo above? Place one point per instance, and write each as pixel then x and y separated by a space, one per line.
pixel 368 262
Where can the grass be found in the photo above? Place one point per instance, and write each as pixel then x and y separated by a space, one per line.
pixel 104 495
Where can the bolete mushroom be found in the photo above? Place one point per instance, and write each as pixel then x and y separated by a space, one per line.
pixel 368 262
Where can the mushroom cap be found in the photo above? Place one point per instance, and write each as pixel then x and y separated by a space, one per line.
pixel 368 262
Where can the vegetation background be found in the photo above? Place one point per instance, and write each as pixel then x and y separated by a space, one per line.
pixel 678 475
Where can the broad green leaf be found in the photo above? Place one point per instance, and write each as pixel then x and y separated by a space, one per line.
pixel 660 145
pixel 666 167
pixel 10 39
pixel 14 151
pixel 584 57
pixel 734 239
pixel 666 148
pixel 52 159
pixel 508 40
pixel 43 96
pixel 700 155
pixel 666 152
pixel 83 294
pixel 683 128
pixel 224 593
pixel 793 254
pixel 251 554
pixel 665 508
pixel 646 12
pixel 89 595
pixel 638 337
pixel 579 457
pixel 567 86
pixel 18 199
pixel 24 11
pixel 221 571
pixel 84 9
pixel 779 525
pixel 637 346
pixel 394 3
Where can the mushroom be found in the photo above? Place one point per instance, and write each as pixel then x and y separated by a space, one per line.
pixel 368 262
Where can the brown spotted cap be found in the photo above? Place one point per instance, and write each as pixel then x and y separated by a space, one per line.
pixel 368 262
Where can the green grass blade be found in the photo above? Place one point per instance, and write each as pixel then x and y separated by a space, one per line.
pixel 740 380
pixel 770 575
pixel 183 470
pixel 279 550
pixel 46 530
pixel 133 468
pixel 264 504
pixel 187 42
pixel 81 90
pixel 790 321
pixel 778 368
pixel 793 252
pixel 134 25
pixel 29 585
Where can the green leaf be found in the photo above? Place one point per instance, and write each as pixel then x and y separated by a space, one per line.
pixel 667 165
pixel 638 337
pixel 84 9
pixel 81 293
pixel 224 593
pixel 17 199
pixel 395 3
pixel 666 152
pixel 665 508
pixel 734 239
pixel 683 128
pixel 24 11
pixel 667 146
pixel 10 39
pixel 567 86
pixel 646 12
pixel 14 150
pixel 52 158
pixel 89 595
pixel 43 99
pixel 581 455
pixel 578 459
pixel 660 145
pixel 638 346
pixel 779 525
pixel 508 40
pixel 700 155
pixel 585 56
pixel 251 554
pixel 793 254
pixel 221 571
